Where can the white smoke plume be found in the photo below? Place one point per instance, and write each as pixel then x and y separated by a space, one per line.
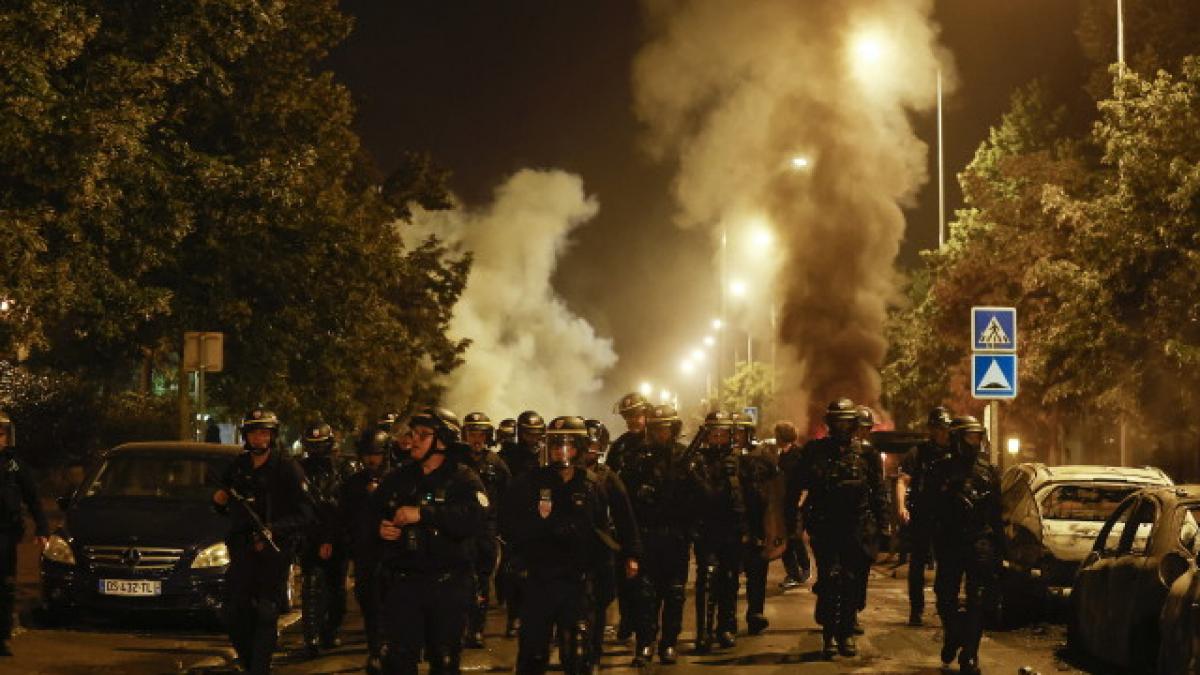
pixel 733 92
pixel 529 350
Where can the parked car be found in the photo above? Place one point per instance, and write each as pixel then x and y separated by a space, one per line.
pixel 1051 518
pixel 1179 621
pixel 140 533
pixel 1146 547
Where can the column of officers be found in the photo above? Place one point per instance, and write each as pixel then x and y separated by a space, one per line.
pixel 430 517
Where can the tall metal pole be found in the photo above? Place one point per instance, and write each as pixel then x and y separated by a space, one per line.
pixel 1121 35
pixel 724 321
pixel 941 168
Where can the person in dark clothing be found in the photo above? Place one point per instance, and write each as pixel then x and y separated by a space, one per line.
pixel 212 433
pixel 555 517
pixel 757 473
pixel 266 497
pixel 427 516
pixel 353 512
pixel 874 459
pixel 843 510
pixel 324 557
pixel 913 507
pixel 17 487
pixel 496 478
pixel 795 558
pixel 968 540
pixel 621 527
pixel 633 408
pixel 520 456
pixel 663 495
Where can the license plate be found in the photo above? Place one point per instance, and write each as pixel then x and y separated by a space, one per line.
pixel 130 587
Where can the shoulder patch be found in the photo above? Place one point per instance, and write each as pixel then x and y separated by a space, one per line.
pixel 483 499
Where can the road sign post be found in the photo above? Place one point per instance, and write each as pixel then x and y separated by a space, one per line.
pixel 994 372
pixel 203 352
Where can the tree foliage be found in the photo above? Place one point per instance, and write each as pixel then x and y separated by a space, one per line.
pixel 750 386
pixel 188 166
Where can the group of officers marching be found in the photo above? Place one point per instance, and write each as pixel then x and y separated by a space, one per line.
pixel 562 524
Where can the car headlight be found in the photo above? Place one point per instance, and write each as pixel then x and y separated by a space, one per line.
pixel 216 555
pixel 59 551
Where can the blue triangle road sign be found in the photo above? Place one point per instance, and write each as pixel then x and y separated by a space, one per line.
pixel 994 376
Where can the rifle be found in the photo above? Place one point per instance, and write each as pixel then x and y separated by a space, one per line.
pixel 694 447
pixel 259 528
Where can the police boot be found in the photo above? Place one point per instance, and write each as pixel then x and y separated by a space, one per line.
pixel 857 627
pixel 847 647
pixel 667 655
pixel 756 623
pixel 828 648
pixel 373 666
pixel 514 625
pixel 474 640
pixel 5 650
pixel 704 643
pixel 311 648
pixel 968 667
pixel 330 641
pixel 916 618
pixel 643 655
pixel 726 639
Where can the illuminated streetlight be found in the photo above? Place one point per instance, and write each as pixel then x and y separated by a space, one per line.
pixel 646 388
pixel 5 305
pixel 761 237
pixel 698 355
pixel 687 366
pixel 1014 446
pixel 800 162
pixel 709 341
pixel 716 324
pixel 869 49
pixel 737 288
pixel 664 396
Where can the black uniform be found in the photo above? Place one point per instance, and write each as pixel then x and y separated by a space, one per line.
pixel 426 583
pixel 663 495
pixel 795 558
pixel 16 487
pixel 494 474
pixel 622 528
pixel 357 519
pixel 520 458
pixel 968 541
pixel 256 582
pixel 553 527
pixel 722 530
pixel 843 514
pixel 917 464
pixel 324 600
pixel 756 471
pixel 626 445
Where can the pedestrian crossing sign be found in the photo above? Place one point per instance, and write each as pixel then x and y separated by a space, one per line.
pixel 994 376
pixel 994 329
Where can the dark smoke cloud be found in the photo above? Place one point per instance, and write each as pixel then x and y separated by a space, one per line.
pixel 732 91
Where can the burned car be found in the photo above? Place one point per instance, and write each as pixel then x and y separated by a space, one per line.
pixel 1135 593
pixel 1052 516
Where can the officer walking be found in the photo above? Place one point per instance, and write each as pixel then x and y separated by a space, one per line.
pixel 721 533
pixel 842 507
pixel 16 487
pixel 663 496
pixel 266 497
pixel 914 509
pixel 758 474
pixel 633 408
pixel 506 431
pixel 496 477
pixel 874 459
pixel 795 557
pixel 324 558
pixel 521 456
pixel 427 516
pixel 622 530
pixel 354 510
pixel 968 540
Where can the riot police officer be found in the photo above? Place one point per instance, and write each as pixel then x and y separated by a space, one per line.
pixel 324 558
pixel 16 487
pixel 354 510
pixel 842 508
pixel 555 517
pixel 795 558
pixel 266 497
pixel 633 408
pixel 758 475
pixel 521 456
pixel 496 477
pixel 506 431
pixel 968 540
pixel 663 496
pixel 621 527
pixel 913 507
pixel 721 532
pixel 874 459
pixel 427 516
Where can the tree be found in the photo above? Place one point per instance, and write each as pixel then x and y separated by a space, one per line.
pixel 750 386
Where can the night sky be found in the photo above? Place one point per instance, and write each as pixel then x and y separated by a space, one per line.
pixel 491 87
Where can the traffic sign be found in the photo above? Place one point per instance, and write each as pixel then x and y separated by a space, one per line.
pixel 994 376
pixel 203 352
pixel 752 413
pixel 994 329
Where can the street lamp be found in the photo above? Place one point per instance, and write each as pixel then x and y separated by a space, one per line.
pixel 800 162
pixel 716 324
pixel 1014 446
pixel 664 396
pixel 686 366
pixel 709 341
pixel 737 288
pixel 698 355
pixel 646 388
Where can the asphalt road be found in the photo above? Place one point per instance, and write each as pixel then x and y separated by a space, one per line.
pixel 132 645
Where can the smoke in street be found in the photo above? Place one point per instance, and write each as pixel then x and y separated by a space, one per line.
pixel 797 115
pixel 528 350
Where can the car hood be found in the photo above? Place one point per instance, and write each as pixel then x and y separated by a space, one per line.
pixel 1070 540
pixel 148 522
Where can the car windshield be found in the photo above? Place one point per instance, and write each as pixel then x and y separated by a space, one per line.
pixel 1190 529
pixel 1083 502
pixel 161 475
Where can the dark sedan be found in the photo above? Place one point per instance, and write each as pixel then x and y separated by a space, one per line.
pixel 1144 548
pixel 140 533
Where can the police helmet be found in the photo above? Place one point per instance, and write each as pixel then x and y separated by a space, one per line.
pixel 598 434
pixel 478 421
pixel 569 429
pixel 530 421
pixel 442 421
pixel 260 418
pixel 939 418
pixel 10 430
pixel 632 403
pixel 317 438
pixel 841 417
pixel 744 423
pixel 378 443
pixel 665 415
pixel 718 419
pixel 961 426
pixel 387 420
pixel 866 417
pixel 506 430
